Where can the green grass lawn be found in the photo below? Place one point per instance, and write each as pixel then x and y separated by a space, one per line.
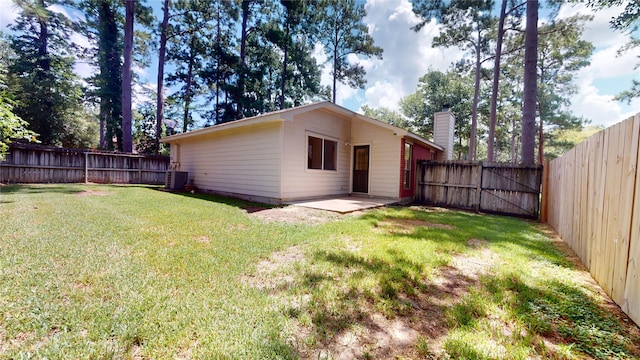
pixel 134 272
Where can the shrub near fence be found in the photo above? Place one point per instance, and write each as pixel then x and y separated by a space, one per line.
pixel 36 164
pixel 594 204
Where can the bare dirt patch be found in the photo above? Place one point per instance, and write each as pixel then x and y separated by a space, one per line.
pixel 377 337
pixel 203 239
pixel 296 214
pixel 269 272
pixel 93 193
pixel 477 243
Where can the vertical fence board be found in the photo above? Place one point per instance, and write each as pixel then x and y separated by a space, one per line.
pixel 496 188
pixel 594 204
pixel 631 300
pixel 33 164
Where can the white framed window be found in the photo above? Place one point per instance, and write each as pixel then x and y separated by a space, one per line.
pixel 322 153
pixel 407 165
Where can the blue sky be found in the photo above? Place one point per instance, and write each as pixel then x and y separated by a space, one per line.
pixel 408 55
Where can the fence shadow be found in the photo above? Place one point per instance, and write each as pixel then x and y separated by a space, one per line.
pixel 40 189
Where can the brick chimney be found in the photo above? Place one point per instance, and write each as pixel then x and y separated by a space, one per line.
pixel 443 127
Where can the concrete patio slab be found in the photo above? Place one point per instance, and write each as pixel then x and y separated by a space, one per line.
pixel 345 204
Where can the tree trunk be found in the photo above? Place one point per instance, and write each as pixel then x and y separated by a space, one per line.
pixel 162 51
pixel 530 84
pixel 335 65
pixel 514 152
pixel 187 90
pixel 127 114
pixel 284 66
pixel 243 49
pixel 43 53
pixel 218 54
pixel 474 110
pixel 110 77
pixel 103 123
pixel 491 151
pixel 541 143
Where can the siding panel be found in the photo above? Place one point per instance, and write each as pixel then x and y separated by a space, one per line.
pixel 297 181
pixel 241 161
pixel 384 173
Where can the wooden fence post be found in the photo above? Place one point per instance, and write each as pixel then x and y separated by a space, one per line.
pixel 544 201
pixel 479 186
pixel 86 167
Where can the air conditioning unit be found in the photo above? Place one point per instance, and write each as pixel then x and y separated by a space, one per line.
pixel 176 180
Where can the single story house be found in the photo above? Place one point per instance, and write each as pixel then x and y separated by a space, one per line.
pixel 307 152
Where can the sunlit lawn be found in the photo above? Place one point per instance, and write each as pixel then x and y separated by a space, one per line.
pixel 134 272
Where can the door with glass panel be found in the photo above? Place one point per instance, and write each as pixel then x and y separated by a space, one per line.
pixel 361 169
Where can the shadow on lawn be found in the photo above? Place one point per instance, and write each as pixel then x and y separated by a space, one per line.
pixel 40 189
pixel 500 231
pixel 543 320
pixel 248 206
pixel 553 315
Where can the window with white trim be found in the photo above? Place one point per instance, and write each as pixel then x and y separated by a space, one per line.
pixel 407 166
pixel 322 153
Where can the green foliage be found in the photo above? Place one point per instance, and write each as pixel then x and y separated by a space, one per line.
pixel 628 20
pixel 436 89
pixel 468 26
pixel 342 32
pixel 103 23
pixel 40 76
pixel 630 94
pixel 144 130
pixel 12 127
pixel 558 140
pixel 387 115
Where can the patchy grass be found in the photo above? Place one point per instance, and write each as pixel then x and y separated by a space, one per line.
pixel 133 272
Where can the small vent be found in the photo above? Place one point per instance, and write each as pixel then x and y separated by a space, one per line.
pixel 176 180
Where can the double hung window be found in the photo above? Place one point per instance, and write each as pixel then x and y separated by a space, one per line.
pixel 322 153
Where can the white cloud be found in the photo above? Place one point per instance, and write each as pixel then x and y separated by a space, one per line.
pixel 407 54
pixel 606 69
pixel 8 14
pixel 600 109
pixel 343 92
pixel 597 31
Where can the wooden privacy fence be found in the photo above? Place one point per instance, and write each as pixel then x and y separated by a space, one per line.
pixel 594 204
pixel 495 188
pixel 31 164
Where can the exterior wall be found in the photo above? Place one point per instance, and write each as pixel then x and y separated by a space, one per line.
pixel 298 182
pixel 443 129
pixel 238 161
pixel 419 153
pixel 384 153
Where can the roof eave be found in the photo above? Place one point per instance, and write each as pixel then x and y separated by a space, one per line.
pixel 424 141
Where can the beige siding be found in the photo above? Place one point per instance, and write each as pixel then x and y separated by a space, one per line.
pixel 384 171
pixel 239 161
pixel 297 181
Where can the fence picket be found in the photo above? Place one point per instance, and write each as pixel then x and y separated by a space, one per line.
pixel 497 188
pixel 35 164
pixel 594 205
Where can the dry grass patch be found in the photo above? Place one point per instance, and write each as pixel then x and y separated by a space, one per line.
pixel 272 273
pixel 408 226
pixel 93 193
pixel 296 214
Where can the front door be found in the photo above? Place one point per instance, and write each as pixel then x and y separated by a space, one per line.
pixel 361 169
